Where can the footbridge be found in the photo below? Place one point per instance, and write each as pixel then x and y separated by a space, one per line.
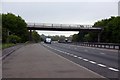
pixel 63 27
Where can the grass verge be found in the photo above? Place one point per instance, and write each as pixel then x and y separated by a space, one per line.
pixel 6 45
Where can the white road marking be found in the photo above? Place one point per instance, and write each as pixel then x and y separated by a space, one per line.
pixel 101 65
pixel 80 57
pixel 75 56
pixel 113 69
pixel 80 65
pixel 93 62
pixel 85 59
pixel 67 53
pixel 71 55
pixel 102 53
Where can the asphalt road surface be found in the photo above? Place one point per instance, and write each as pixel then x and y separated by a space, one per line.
pixel 37 61
pixel 101 61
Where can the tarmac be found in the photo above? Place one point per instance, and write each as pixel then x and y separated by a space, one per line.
pixel 36 61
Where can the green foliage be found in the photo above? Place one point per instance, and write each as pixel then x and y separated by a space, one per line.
pixel 55 38
pixel 6 45
pixel 87 37
pixel 16 25
pixel 13 39
pixel 4 35
pixel 35 36
pixel 80 37
pixel 111 32
pixel 75 38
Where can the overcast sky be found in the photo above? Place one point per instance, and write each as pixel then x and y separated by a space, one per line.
pixel 82 12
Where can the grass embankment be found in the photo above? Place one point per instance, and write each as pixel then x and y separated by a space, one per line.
pixel 6 45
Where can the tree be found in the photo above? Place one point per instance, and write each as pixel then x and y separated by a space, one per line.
pixel 75 38
pixel 35 36
pixel 55 38
pixel 87 37
pixel 111 30
pixel 110 33
pixel 13 39
pixel 16 25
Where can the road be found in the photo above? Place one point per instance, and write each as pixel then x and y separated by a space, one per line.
pixel 101 61
pixel 37 61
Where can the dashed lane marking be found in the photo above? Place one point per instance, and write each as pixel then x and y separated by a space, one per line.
pixel 85 59
pixel 101 65
pixel 102 53
pixel 92 62
pixel 78 64
pixel 81 58
pixel 113 69
pixel 75 56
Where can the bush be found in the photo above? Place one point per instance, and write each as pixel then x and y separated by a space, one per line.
pixel 13 39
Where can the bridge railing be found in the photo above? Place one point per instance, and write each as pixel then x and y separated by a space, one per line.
pixel 49 25
pixel 101 45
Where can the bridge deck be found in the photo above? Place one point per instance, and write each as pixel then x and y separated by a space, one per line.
pixel 62 27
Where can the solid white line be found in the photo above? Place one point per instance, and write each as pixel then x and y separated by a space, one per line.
pixel 113 69
pixel 93 62
pixel 85 59
pixel 101 65
pixel 80 66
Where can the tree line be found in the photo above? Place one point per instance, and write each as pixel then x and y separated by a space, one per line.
pixel 14 29
pixel 109 34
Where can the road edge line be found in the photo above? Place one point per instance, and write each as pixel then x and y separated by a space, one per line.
pixel 77 64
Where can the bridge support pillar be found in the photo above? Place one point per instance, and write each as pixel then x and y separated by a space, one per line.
pixel 99 37
pixel 30 35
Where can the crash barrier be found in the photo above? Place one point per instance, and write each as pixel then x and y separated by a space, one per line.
pixel 101 45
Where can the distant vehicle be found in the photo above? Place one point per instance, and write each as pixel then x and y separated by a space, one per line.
pixel 64 41
pixel 48 40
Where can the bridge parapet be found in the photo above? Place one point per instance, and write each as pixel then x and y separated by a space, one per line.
pixel 63 26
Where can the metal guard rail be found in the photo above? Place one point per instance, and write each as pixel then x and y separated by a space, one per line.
pixel 101 45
